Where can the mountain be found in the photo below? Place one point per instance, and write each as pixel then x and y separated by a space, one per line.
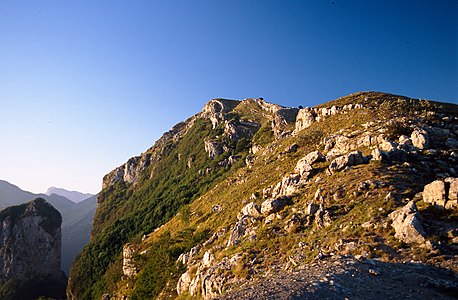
pixel 13 195
pixel 76 229
pixel 71 195
pixel 249 199
pixel 77 217
pixel 30 251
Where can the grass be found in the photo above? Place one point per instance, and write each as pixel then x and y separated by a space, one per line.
pixel 231 188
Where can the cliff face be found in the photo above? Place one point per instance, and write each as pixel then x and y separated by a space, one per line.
pixel 30 244
pixel 247 191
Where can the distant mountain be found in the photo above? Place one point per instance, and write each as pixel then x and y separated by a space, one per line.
pixel 71 195
pixel 76 217
pixel 13 195
pixel 76 229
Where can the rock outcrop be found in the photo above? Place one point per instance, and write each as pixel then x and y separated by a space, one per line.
pixel 30 248
pixel 407 224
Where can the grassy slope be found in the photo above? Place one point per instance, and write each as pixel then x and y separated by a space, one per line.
pixel 125 213
pixel 196 220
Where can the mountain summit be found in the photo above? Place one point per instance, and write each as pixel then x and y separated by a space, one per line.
pixel 249 199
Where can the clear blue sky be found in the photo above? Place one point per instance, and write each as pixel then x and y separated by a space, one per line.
pixel 84 85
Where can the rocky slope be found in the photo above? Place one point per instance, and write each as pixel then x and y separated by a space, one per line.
pixel 30 251
pixel 247 192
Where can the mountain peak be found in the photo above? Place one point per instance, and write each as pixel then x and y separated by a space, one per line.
pixel 74 196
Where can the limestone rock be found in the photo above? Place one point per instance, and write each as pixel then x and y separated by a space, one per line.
pixel 434 193
pixel 379 155
pixel 251 210
pixel 213 148
pixel 305 164
pixel 128 264
pixel 30 245
pixel 407 224
pixel 241 228
pixel 274 205
pixel 304 119
pixel 420 139
pixel 288 186
pixel 183 283
pixel 348 160
pixel 453 188
pixel 312 208
pixel 216 109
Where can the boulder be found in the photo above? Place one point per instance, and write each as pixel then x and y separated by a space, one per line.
pixel 407 224
pixel 251 210
pixel 274 205
pixel 304 119
pixel 452 199
pixel 288 186
pixel 213 148
pixel 347 160
pixel 305 164
pixel 420 139
pixel 379 155
pixel 434 193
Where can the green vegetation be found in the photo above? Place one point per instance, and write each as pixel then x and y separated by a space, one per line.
pixel 127 212
pixel 180 196
pixel 52 219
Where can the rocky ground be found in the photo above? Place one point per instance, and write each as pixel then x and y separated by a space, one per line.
pixel 350 278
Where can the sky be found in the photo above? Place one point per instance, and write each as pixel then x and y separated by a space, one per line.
pixel 85 85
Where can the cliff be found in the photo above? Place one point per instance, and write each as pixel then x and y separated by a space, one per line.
pixel 246 193
pixel 30 251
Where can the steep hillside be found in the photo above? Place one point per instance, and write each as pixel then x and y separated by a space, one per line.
pixel 247 190
pixel 30 251
pixel 76 229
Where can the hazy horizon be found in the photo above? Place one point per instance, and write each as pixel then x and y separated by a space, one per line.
pixel 86 85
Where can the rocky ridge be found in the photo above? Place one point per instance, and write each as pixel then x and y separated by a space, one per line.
pixel 358 178
pixel 30 250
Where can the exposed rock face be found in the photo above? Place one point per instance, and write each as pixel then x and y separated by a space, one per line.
pixel 213 148
pixel 305 118
pixel 407 224
pixel 216 108
pixel 30 244
pixel 128 264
